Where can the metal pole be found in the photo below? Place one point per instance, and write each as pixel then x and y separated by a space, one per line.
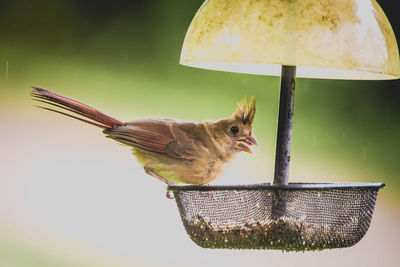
pixel 284 136
pixel 282 157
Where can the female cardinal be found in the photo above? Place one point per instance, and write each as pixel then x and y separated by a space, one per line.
pixel 173 151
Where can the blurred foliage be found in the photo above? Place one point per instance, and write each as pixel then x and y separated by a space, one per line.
pixel 122 57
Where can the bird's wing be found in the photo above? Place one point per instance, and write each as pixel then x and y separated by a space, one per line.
pixel 157 136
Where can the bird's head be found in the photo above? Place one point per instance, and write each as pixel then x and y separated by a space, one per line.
pixel 239 127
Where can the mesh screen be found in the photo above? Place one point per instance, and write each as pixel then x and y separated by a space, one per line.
pixel 270 218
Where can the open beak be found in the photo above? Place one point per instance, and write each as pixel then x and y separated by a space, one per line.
pixel 245 143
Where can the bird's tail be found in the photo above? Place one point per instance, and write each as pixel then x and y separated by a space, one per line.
pixel 86 113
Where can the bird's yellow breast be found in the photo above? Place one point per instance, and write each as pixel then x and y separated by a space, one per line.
pixel 198 171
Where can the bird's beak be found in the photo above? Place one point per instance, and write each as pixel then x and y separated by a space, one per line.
pixel 245 143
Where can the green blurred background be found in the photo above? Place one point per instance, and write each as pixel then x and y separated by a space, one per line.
pixel 69 197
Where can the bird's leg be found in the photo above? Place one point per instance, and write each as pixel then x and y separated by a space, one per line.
pixel 162 179
pixel 155 175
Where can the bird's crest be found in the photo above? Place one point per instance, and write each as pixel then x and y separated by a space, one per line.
pixel 245 111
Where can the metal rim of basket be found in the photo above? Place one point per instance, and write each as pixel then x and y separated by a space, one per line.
pixel 268 186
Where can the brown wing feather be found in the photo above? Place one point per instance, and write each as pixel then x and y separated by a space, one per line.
pixel 152 135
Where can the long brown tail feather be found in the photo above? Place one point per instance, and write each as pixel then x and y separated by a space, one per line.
pixel 98 118
pixel 75 117
pixel 59 106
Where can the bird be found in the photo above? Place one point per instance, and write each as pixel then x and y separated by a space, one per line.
pixel 173 151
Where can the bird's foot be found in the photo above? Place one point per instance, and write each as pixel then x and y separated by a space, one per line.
pixel 150 172
pixel 169 194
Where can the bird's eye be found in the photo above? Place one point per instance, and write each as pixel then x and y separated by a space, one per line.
pixel 234 129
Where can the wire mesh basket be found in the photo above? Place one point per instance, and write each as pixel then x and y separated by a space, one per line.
pixel 295 217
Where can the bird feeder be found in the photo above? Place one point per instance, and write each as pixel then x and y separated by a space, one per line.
pixel 341 39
